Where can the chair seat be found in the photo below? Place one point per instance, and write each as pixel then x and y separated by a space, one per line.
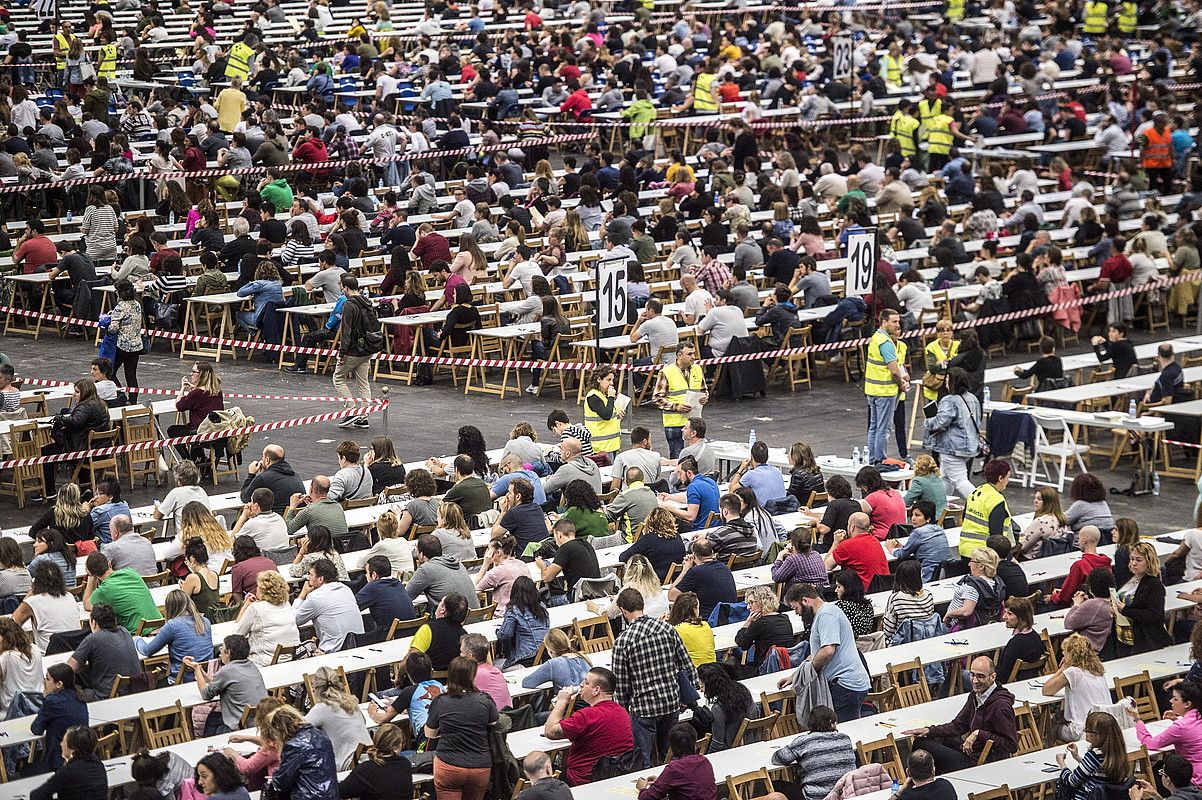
pixel 1062 449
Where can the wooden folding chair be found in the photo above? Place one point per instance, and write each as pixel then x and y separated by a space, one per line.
pixel 910 681
pixel 98 466
pixel 883 752
pixel 1000 793
pixel 137 425
pixel 784 703
pixel 1139 688
pixel 165 727
pixel 760 729
pixel 594 634
pixel 750 785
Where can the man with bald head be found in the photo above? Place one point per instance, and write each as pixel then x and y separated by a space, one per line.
pixel 128 549
pixel 575 467
pixel 858 550
pixel 274 473
pixel 537 768
pixel 1090 560
pixel 316 508
pixel 987 716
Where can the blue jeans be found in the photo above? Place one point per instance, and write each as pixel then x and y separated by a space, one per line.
pixel 651 735
pixel 880 417
pixel 675 439
pixel 849 308
pixel 846 702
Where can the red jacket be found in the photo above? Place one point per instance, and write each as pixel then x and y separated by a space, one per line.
pixel 578 102
pixel 312 151
pixel 1078 573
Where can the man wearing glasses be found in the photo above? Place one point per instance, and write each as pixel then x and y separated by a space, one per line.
pixel 987 720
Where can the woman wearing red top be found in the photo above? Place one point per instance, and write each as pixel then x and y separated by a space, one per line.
pixel 885 507
pixel 199 394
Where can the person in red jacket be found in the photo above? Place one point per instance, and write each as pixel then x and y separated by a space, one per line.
pixel 1089 560
pixel 578 101
pixel 311 150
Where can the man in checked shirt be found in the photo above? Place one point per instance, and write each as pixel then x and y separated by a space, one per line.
pixel 648 660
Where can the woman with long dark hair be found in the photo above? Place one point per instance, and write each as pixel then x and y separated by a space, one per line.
pixel 730 702
pixel 50 547
pixel 80 774
pixel 61 710
pixel 525 625
pixel 219 779
pixel 459 719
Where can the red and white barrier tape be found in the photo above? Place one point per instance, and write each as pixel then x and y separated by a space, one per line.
pixel 358 411
pixel 216 173
pixel 303 398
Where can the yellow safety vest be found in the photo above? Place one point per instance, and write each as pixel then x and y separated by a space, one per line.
pixel 703 93
pixel 975 530
pixel 939 134
pixel 878 380
pixel 955 10
pixel 1095 17
pixel 893 70
pixel 64 44
pixel 607 433
pixel 936 350
pixel 108 61
pixel 238 64
pixel 1128 16
pixel 902 127
pixel 927 111
pixel 902 350
pixel 677 387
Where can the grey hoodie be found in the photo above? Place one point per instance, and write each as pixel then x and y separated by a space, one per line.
pixel 1186 793
pixel 441 576
pixel 579 468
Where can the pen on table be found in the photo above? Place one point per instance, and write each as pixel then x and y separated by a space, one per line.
pixel 353 655
pixel 887 724
pixel 1037 574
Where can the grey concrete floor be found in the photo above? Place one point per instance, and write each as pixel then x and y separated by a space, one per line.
pixel 423 421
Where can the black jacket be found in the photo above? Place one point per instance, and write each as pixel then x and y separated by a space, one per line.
pixel 280 479
pixel 372 781
pixel 232 252
pixel 74 427
pixel 1146 612
pixel 354 321
pixel 78 779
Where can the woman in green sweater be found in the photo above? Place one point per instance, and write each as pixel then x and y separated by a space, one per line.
pixel 927 485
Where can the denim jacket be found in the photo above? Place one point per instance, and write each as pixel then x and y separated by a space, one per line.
pixel 521 632
pixel 929 545
pixel 954 430
pixel 261 293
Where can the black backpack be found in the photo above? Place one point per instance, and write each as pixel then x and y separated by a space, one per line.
pixel 369 339
pixel 613 766
pixel 989 602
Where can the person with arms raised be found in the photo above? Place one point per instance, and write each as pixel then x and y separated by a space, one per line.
pixel 709 578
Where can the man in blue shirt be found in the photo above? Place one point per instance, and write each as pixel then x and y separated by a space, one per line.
pixel 607 176
pixel 326 332
pixel 833 650
pixel 759 476
pixel 700 496
pixel 383 597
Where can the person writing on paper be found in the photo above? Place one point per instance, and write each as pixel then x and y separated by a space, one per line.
pixel 986 718
pixel 603 412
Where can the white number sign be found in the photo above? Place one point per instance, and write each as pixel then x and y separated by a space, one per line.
pixel 842 58
pixel 861 262
pixel 612 300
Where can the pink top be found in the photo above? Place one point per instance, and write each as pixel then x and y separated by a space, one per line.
pixel 1184 735
pixel 491 681
pixel 258 767
pixel 500 580
pixel 887 507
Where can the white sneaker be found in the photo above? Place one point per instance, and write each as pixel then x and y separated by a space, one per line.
pixel 349 422
pixel 532 390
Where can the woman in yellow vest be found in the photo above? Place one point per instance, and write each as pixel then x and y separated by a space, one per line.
pixel 107 68
pixel 1128 16
pixel 986 512
pixel 955 10
pixel 601 417
pixel 1095 17
pixel 891 66
pixel 937 354
pixel 904 129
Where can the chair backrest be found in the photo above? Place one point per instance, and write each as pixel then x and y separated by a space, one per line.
pixel 1029 737
pixel 759 729
pixel 783 702
pixel 1141 763
pixel 404 627
pixel 312 692
pixel 165 727
pixel 749 785
pixel 594 634
pixel 591 588
pixel 1139 688
pixel 283 652
pixel 1000 793
pixel 910 680
pixel 883 752
pixel 284 555
pixel 481 614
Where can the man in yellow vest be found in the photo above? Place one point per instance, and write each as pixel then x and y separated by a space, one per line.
pixel 883 374
pixel 107 68
pixel 891 67
pixel 60 43
pixel 904 128
pixel 679 389
pixel 985 512
pixel 704 98
pixel 929 107
pixel 1128 17
pixel 237 64
pixel 955 10
pixel 942 133
pixel 1095 17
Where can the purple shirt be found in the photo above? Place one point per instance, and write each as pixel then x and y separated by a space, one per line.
pixel 684 778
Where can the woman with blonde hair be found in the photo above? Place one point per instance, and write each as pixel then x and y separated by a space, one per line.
pixel 660 542
pixel 185 633
pixel 515 237
pixel 1139 604
pixel 398 551
pixel 306 754
pixel 267 620
pixel 385 774
pixel 697 635
pixel 197 522
pixel 1050 524
pixel 980 587
pixel 639 575
pixel 69 516
pixel 575 235
pixel 1083 679
pixel 258 766
pixel 470 262
pixel 454 533
pixel 764 628
pixel 927 485
pixel 564 666
pixel 543 170
pixel 937 354
pixel 336 712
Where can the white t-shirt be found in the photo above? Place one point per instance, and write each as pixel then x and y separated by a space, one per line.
pixel 52 615
pixel 523 272
pixel 724 323
pixel 267 625
pixel 1085 690
pixel 269 530
pixel 399 553
pixel 1193 559
pixel 18 674
pixel 173 504
pixel 695 304
pixel 465 210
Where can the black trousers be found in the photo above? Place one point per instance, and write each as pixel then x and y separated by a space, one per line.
pixel 946 752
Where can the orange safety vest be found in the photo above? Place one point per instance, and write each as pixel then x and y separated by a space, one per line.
pixel 1158 151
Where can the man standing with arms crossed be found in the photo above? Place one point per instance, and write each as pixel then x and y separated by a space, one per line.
pixel 883 375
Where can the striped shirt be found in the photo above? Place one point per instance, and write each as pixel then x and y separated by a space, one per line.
pixel 100 232
pixel 295 252
pixel 902 606
pixel 10 400
pixel 1086 777
pixel 800 568
pixel 819 760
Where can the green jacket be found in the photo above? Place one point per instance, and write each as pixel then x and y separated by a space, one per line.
pixel 279 193
pixel 640 113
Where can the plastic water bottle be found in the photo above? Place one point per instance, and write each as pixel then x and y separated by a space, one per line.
pixel 751 439
pixel 70 215
pixel 986 395
pixel 381 181
pixel 855 457
pixel 895 787
pixel 171 218
pixel 1155 483
pixel 1132 409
